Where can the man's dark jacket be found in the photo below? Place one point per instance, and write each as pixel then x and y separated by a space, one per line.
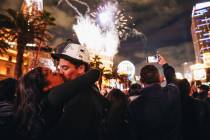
pixel 81 116
pixel 156 114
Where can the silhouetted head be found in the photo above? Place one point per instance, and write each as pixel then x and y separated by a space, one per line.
pixel 7 89
pixel 203 88
pixel 149 75
pixel 184 87
pixel 116 95
pixel 134 89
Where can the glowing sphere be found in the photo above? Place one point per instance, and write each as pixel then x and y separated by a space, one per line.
pixel 126 67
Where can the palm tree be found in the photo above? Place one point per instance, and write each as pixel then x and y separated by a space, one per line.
pixel 23 29
pixel 96 63
pixel 111 74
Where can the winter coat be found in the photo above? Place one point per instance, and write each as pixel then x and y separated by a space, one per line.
pixel 82 114
pixel 7 120
pixel 156 114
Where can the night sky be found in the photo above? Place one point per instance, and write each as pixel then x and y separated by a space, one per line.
pixel 165 23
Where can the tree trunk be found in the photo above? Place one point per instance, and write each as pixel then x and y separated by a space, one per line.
pixel 19 60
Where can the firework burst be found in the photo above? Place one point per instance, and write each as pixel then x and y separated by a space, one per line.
pixel 108 17
pixel 101 31
pixel 90 34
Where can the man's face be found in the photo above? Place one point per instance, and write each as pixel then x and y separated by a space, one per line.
pixel 69 71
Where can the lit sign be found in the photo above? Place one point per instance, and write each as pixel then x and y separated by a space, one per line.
pixel 199 74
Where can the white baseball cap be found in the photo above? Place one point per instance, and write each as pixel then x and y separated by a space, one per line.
pixel 73 51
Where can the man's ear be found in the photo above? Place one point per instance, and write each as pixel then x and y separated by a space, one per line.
pixel 81 69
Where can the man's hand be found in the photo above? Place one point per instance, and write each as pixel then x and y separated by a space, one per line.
pixel 161 60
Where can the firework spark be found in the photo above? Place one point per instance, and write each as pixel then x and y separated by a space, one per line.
pixel 90 34
pixel 108 17
pixel 74 7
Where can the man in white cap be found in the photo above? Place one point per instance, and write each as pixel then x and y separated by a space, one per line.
pixel 73 60
pixel 81 115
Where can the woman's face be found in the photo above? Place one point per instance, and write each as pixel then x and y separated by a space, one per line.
pixel 53 79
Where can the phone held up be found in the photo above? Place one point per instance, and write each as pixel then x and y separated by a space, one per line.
pixel 153 59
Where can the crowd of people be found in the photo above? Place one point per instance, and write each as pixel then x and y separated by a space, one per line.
pixel 67 105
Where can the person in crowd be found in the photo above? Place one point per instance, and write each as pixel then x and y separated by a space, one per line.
pixel 203 92
pixel 134 91
pixel 156 114
pixel 116 123
pixel 81 115
pixel 7 108
pixel 194 114
pixel 193 89
pixel 40 100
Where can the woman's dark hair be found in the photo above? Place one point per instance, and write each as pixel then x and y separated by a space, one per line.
pixel 116 95
pixel 134 89
pixel 29 94
pixel 184 87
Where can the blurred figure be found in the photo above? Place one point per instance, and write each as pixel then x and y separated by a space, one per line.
pixel 134 91
pixel 116 123
pixel 203 92
pixel 200 92
pixel 7 108
pixel 7 88
pixel 105 90
pixel 194 114
pixel 193 89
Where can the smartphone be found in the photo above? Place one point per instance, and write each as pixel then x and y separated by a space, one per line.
pixel 152 59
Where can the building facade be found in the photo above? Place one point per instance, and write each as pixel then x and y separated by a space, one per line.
pixel 200 30
pixel 8 61
pixel 32 7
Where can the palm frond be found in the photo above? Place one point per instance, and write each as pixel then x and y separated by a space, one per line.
pixel 12 13
pixel 6 22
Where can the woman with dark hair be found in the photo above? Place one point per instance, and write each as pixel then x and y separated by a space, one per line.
pixel 134 91
pixel 38 105
pixel 116 118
